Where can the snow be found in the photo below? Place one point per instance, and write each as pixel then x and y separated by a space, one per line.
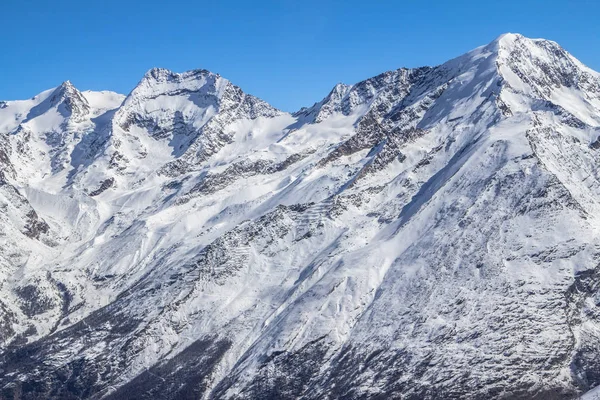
pixel 104 100
pixel 201 212
pixel 593 394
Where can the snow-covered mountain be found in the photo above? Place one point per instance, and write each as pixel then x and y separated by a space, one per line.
pixel 427 233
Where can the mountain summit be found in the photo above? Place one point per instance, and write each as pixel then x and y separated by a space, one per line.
pixel 426 233
pixel 69 101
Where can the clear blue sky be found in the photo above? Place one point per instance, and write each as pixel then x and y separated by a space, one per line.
pixel 290 53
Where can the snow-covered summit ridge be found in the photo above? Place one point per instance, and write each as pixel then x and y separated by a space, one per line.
pixel 197 84
pixel 160 81
pixel 535 67
pixel 197 95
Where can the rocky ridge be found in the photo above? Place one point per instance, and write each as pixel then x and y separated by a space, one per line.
pixel 426 233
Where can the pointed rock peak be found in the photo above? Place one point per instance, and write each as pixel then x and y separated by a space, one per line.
pixel 337 94
pixel 64 90
pixel 69 101
pixel 323 109
pixel 67 84
pixel 340 90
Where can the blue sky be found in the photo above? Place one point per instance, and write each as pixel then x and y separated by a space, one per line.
pixel 290 53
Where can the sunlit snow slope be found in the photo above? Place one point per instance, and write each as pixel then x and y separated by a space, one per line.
pixel 428 233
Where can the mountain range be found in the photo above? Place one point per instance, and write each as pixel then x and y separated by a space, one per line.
pixel 427 233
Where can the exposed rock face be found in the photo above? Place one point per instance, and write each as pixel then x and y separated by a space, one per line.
pixel 192 110
pixel 70 102
pixel 428 233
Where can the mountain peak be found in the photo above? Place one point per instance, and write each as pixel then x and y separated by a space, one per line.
pixel 507 42
pixel 70 101
pixel 161 81
pixel 542 69
pixel 65 89
pixel 157 73
pixel 163 75
pixel 66 85
pixel 255 250
pixel 508 38
pixel 181 104
pixel 510 41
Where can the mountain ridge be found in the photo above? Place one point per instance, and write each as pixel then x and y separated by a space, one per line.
pixel 424 233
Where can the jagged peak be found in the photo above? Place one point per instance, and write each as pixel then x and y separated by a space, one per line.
pixel 340 88
pixel 538 66
pixel 166 75
pixel 207 90
pixel 346 99
pixel 336 95
pixel 64 90
pixel 67 85
pixel 158 73
pixel 161 81
pixel 66 99
pixel 74 101
pixel 332 100
pixel 71 96
pixel 539 63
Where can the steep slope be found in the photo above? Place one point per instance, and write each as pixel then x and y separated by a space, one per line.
pixel 38 138
pixel 426 233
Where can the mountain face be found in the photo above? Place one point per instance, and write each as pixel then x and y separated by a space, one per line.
pixel 427 233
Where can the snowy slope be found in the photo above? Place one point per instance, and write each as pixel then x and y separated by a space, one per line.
pixel 425 233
